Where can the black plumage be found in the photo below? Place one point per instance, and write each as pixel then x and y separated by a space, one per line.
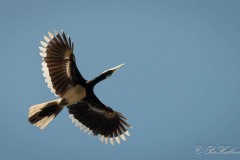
pixel 64 80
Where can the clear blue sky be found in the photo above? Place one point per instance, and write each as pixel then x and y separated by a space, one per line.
pixel 179 88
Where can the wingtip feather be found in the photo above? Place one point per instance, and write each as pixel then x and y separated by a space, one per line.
pixel 46 39
pixel 50 35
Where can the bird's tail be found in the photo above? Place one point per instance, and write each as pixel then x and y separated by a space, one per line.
pixel 42 114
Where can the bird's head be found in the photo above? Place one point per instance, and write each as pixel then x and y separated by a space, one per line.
pixel 110 71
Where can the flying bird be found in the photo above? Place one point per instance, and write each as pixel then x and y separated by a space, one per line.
pixel 76 93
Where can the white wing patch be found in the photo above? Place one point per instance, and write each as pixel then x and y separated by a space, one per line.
pixel 102 138
pixel 47 77
pixel 45 70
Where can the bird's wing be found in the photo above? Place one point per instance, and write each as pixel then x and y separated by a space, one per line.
pixel 59 67
pixel 96 118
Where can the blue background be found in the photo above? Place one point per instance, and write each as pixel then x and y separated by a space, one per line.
pixel 179 88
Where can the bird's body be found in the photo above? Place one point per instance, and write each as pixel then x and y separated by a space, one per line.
pixel 64 80
pixel 75 94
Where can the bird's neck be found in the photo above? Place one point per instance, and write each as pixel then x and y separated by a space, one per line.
pixel 98 79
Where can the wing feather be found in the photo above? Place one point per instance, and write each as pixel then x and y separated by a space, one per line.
pixel 58 62
pixel 99 120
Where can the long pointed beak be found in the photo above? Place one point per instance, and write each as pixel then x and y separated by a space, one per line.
pixel 113 69
pixel 116 68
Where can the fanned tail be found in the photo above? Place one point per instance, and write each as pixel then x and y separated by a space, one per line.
pixel 42 114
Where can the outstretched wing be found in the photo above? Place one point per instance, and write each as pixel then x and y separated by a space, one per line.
pixel 95 118
pixel 59 67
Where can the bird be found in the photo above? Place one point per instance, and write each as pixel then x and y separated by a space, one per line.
pixel 76 93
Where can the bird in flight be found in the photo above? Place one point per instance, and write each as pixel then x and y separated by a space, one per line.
pixel 65 81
